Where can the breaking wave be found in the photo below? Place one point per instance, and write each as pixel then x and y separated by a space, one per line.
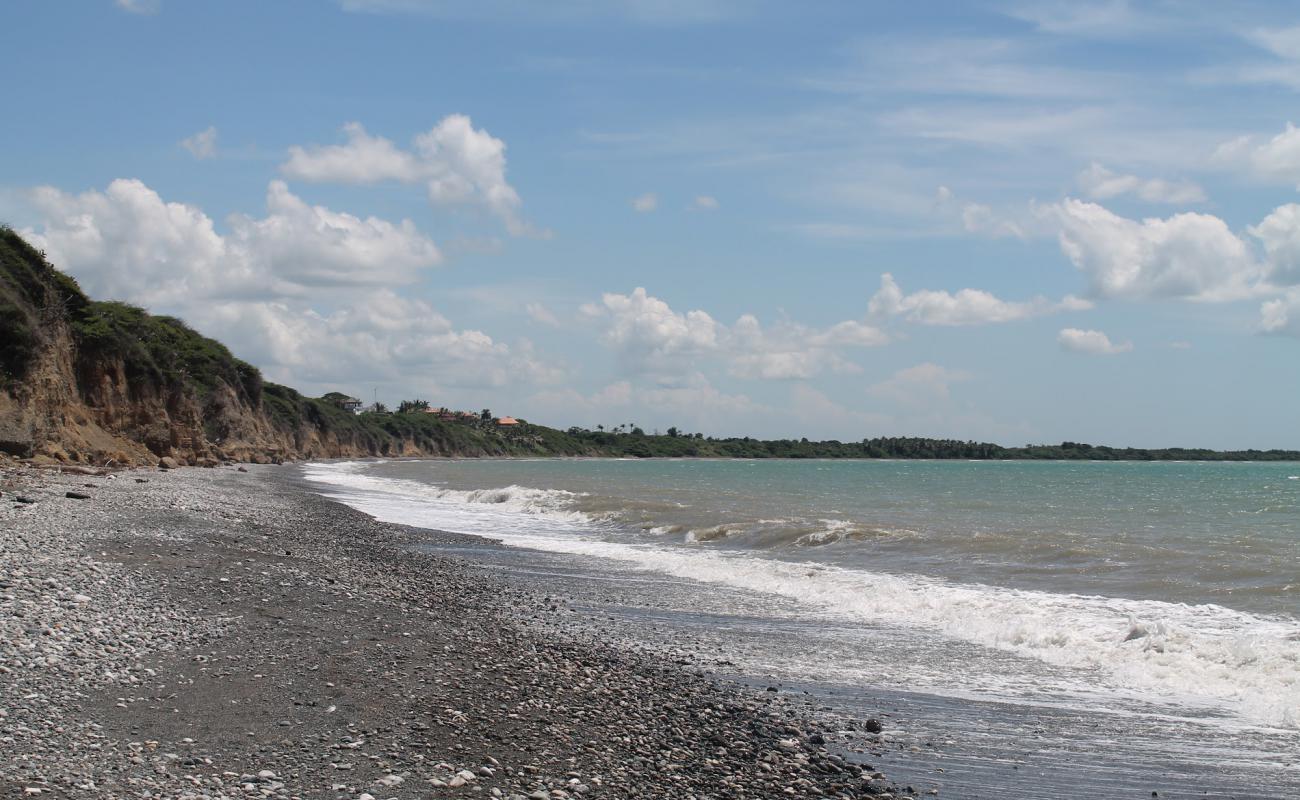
pixel 1245 666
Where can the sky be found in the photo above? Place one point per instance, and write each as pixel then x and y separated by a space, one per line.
pixel 1022 222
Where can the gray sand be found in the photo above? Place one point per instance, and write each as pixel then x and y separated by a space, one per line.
pixel 218 633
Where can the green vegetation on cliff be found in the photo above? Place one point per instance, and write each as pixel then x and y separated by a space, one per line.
pixel 382 433
pixel 32 295
pixel 35 298
pixel 162 356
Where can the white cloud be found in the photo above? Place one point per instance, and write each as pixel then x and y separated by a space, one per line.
pixel 981 219
pixel 128 243
pixel 1281 42
pixel 314 246
pixel 977 218
pixel 1282 315
pixel 381 338
pixel 540 314
pixel 202 144
pixel 1192 256
pixel 645 203
pixel 1091 342
pixel 1279 233
pixel 1100 183
pixel 648 331
pixel 923 383
pixel 1277 160
pixel 652 337
pixel 790 351
pixel 966 307
pixel 269 288
pixel 457 163
pixel 705 202
pixel 364 159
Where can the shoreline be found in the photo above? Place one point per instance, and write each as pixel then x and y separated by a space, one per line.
pixel 225 633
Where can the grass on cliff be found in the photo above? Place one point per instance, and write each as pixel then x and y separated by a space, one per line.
pixel 162 350
pixel 32 294
pixel 154 350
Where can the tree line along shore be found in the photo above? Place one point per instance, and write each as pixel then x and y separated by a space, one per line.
pixel 105 382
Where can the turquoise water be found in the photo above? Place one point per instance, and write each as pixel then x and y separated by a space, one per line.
pixel 1169 587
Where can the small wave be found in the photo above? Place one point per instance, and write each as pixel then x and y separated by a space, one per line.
pixel 711 534
pixel 665 530
pixel 1205 655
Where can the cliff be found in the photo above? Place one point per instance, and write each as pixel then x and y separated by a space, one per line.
pixel 105 383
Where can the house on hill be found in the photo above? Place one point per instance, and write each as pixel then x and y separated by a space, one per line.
pixel 507 421
pixel 344 402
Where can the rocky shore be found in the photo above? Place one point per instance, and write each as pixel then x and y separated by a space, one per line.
pixel 220 633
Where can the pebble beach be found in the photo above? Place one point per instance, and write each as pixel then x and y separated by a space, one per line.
pixel 221 633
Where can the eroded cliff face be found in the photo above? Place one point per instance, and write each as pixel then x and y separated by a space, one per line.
pixel 73 409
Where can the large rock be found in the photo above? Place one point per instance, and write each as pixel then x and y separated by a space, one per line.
pixel 167 462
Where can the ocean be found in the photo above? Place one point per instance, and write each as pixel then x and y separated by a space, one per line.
pixel 1153 604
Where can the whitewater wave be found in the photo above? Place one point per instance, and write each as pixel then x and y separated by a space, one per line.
pixel 1207 656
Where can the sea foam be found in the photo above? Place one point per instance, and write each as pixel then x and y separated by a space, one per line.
pixel 1233 663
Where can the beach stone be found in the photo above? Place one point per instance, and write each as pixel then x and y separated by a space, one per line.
pixel 228 587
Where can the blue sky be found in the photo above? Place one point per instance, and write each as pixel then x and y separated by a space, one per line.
pixel 1010 221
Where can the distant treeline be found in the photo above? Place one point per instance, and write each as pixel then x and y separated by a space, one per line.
pixel 675 444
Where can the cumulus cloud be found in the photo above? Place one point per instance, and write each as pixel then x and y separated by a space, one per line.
pixel 128 243
pixel 457 163
pixel 270 287
pixel 649 332
pixel 202 144
pixel 652 337
pixel 1100 183
pixel 645 203
pixel 705 202
pixel 965 307
pixel 1191 256
pixel 1276 160
pixel 923 383
pixel 1279 234
pixel 1281 315
pixel 382 337
pixel 1091 342
pixel 314 246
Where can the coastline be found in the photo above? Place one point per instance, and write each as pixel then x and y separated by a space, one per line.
pixel 225 633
